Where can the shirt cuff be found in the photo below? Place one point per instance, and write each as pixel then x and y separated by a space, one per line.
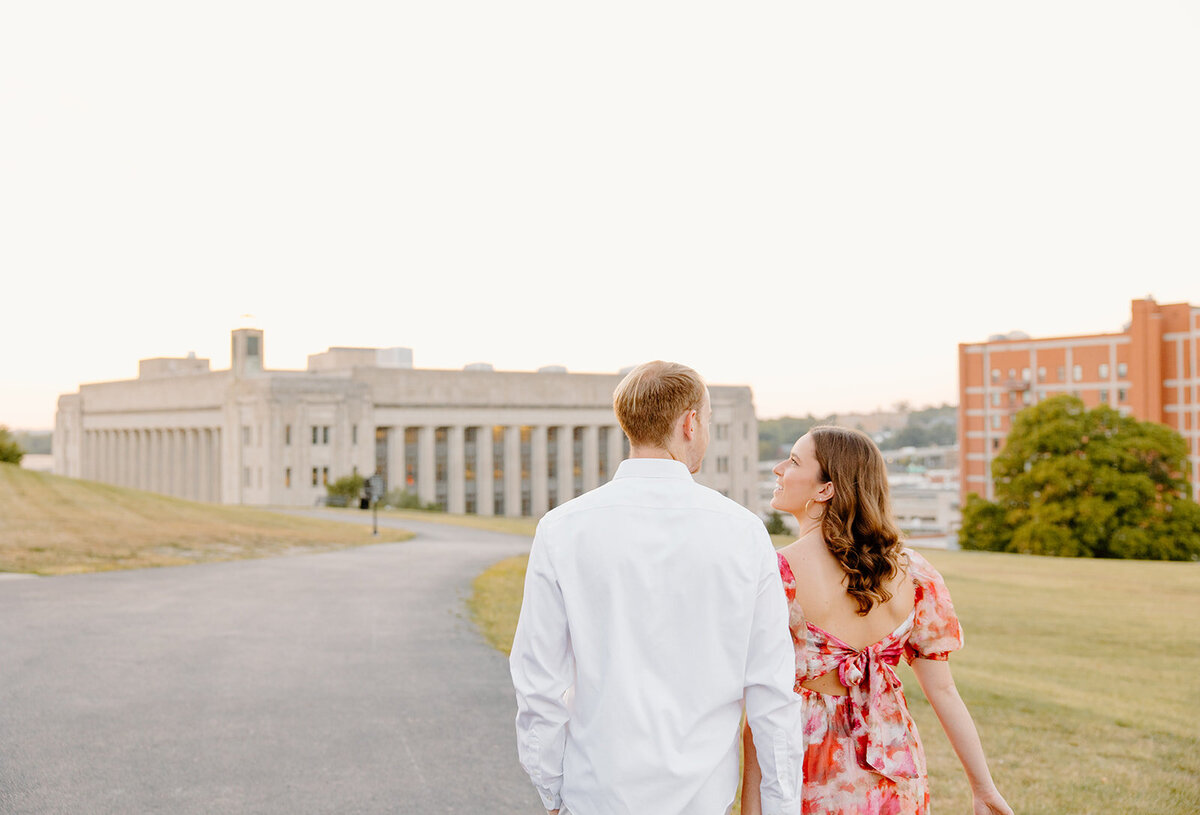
pixel 550 800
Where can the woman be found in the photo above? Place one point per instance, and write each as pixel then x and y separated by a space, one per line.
pixel 858 601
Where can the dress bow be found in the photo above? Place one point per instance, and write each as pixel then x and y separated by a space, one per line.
pixel 881 739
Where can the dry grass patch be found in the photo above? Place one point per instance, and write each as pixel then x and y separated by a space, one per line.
pixel 1082 676
pixel 51 525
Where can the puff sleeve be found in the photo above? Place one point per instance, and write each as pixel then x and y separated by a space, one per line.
pixel 935 632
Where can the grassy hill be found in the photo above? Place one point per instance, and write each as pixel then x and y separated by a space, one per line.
pixel 51 525
pixel 1082 676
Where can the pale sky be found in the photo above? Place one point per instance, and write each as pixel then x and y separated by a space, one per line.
pixel 817 200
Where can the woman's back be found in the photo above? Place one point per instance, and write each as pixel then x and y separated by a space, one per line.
pixel 822 598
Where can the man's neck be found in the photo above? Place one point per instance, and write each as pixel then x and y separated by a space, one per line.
pixel 650 452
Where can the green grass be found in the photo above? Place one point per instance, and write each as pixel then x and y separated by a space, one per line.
pixel 1083 677
pixel 50 525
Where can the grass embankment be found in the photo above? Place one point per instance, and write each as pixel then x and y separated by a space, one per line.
pixel 1083 677
pixel 50 525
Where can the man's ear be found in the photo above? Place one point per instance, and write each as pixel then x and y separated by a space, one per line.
pixel 690 424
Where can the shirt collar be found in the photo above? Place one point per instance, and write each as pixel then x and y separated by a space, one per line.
pixel 652 468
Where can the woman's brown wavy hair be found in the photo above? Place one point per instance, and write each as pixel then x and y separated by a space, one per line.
pixel 858 526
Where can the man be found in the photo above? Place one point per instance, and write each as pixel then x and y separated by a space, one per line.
pixel 653 607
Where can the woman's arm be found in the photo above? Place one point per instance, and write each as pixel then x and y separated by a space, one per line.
pixel 751 776
pixel 938 684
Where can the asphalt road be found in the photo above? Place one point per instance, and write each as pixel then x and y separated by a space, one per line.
pixel 344 682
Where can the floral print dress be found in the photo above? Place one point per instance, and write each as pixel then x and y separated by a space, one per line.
pixel 863 753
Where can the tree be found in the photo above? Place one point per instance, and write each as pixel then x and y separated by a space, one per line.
pixel 1087 483
pixel 346 489
pixel 775 524
pixel 10 450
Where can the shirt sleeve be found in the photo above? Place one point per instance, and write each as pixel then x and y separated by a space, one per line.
pixel 772 708
pixel 543 670
pixel 936 631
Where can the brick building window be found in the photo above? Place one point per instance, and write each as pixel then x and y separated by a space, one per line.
pixel 1122 370
pixel 1077 373
pixel 1103 370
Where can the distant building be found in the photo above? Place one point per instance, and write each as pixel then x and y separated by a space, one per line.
pixel 1148 371
pixel 476 441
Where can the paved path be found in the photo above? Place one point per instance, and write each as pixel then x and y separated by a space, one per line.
pixel 345 682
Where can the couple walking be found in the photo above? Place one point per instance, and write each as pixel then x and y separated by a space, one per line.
pixel 656 611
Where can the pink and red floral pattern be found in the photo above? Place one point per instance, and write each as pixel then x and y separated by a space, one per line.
pixel 864 755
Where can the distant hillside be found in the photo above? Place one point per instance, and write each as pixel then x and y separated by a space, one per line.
pixel 53 525
pixel 900 428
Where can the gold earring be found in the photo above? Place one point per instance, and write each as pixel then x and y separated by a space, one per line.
pixel 806 515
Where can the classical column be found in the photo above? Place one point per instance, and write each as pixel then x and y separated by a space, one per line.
pixel 456 470
pixel 122 458
pixel 139 459
pixel 395 457
pixel 512 470
pixel 426 475
pixel 131 459
pixel 216 466
pixel 158 467
pixel 566 463
pixel 539 471
pixel 172 462
pixel 191 485
pixel 202 464
pixel 110 457
pixel 616 449
pixel 485 484
pixel 591 457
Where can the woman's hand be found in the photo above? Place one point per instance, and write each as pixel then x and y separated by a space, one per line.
pixel 990 803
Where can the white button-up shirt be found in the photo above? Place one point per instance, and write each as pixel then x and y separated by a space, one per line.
pixel 653 607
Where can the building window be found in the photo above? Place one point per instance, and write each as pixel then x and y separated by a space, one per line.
pixel 245 435
pixel 354 434
pixel 1104 397
pixel 316 434
pixel 722 464
pixel 1077 373
pixel 315 476
pixel 325 434
pixel 1122 395
pixel 995 421
pixel 995 375
pixel 1042 373
pixel 325 476
pixel 995 398
pixel 995 444
pixel 1062 373
pixel 287 477
pixel 1026 398
pixel 287 434
pixel 1026 375
pixel 1104 370
pixel 1012 398
pixel 1122 370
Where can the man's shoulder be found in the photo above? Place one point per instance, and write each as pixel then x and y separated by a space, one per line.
pixel 615 494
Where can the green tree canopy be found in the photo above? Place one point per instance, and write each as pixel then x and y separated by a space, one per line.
pixel 349 487
pixel 10 450
pixel 1087 483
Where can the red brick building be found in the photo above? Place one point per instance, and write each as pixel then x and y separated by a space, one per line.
pixel 1149 371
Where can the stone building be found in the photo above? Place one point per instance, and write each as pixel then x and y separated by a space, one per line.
pixel 476 440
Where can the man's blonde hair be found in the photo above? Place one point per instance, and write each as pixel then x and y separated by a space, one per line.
pixel 652 397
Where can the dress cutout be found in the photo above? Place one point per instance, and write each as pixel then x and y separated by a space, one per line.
pixel 864 756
